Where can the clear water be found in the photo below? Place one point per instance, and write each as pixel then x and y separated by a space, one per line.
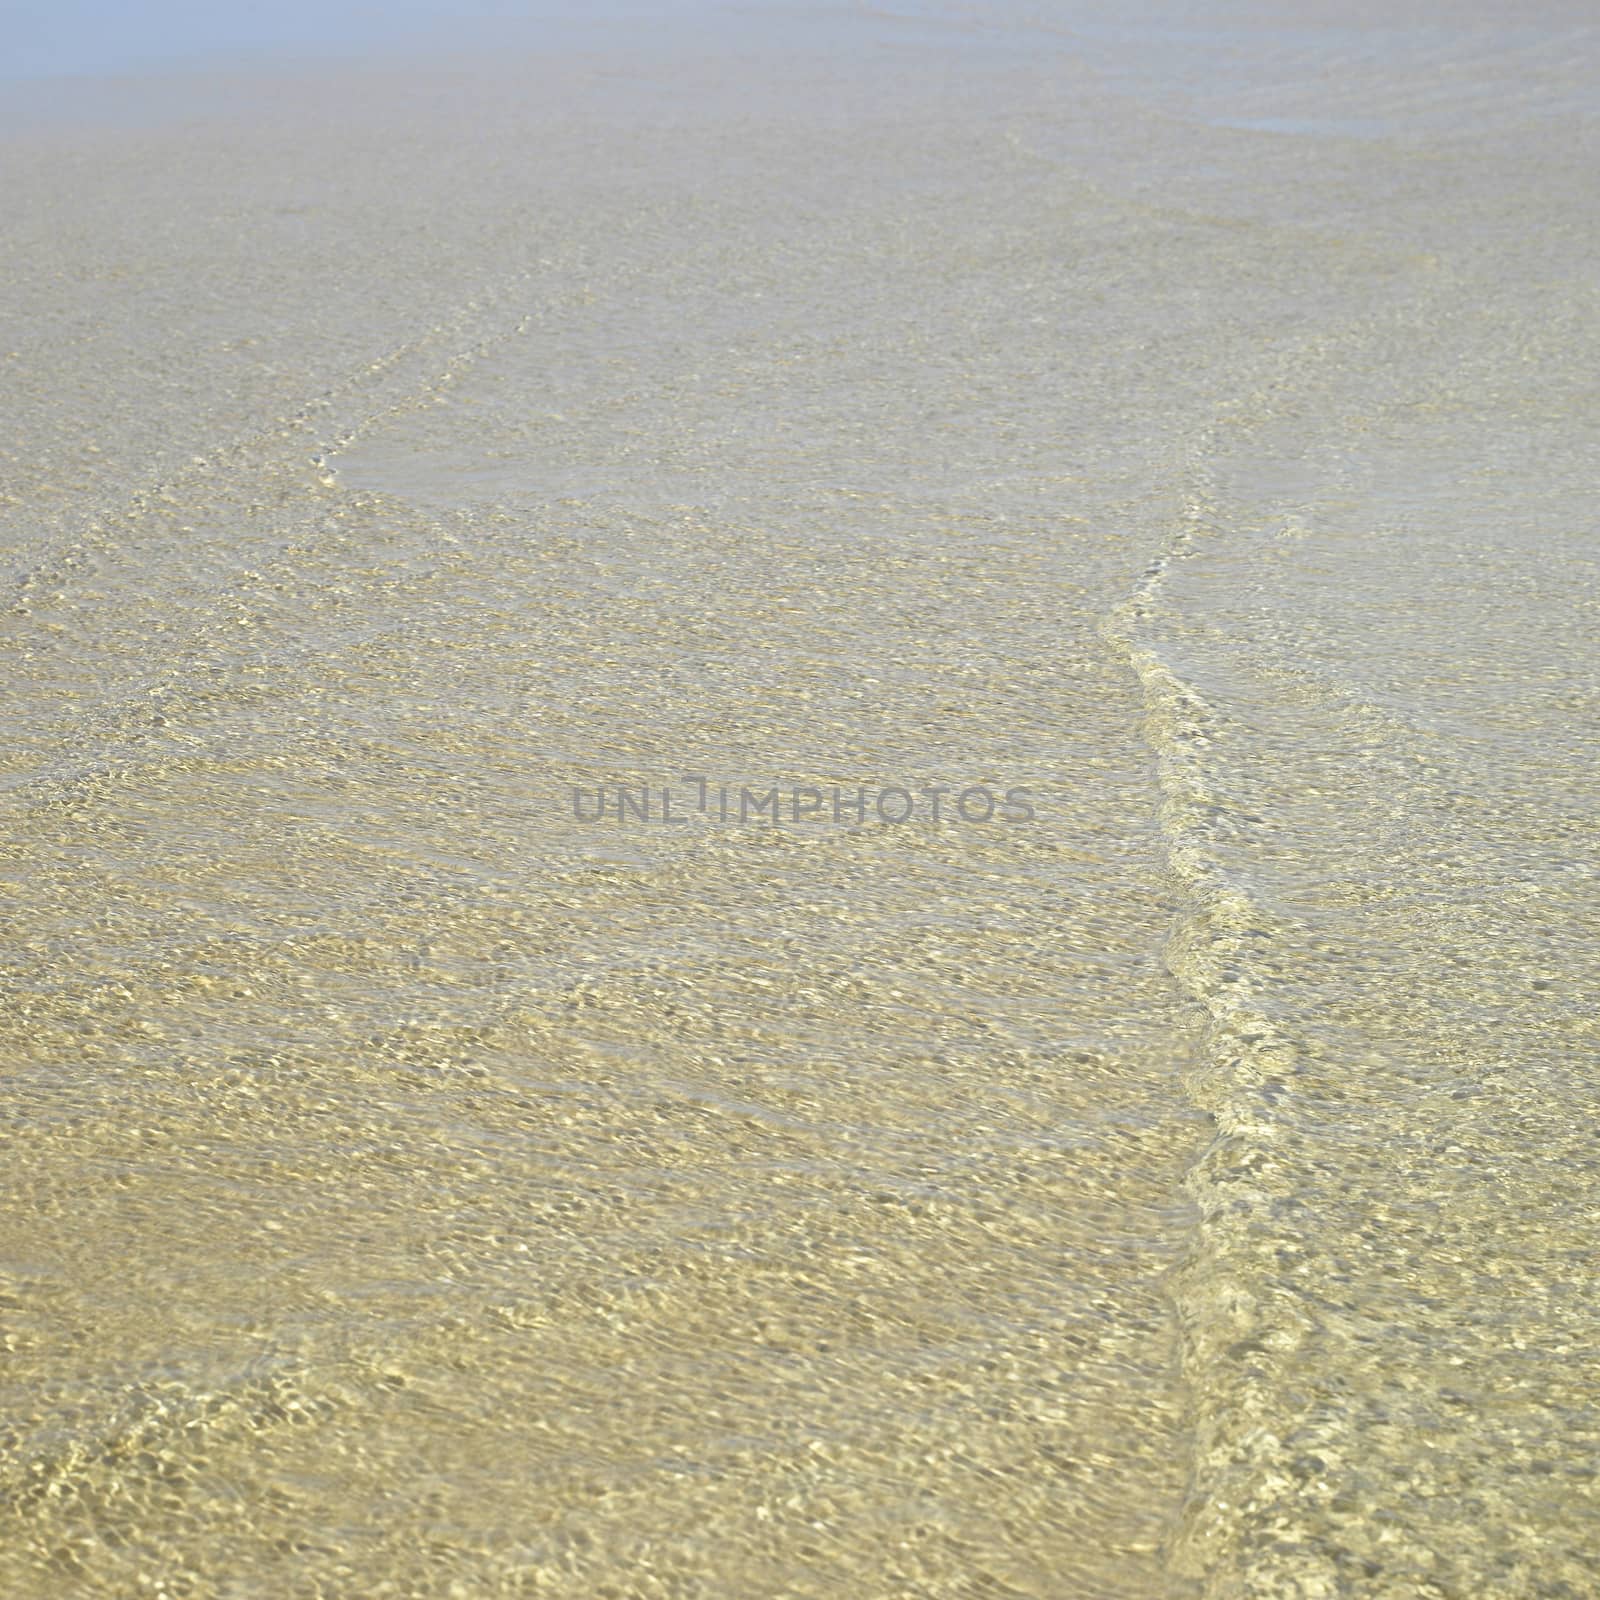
pixel 418 1188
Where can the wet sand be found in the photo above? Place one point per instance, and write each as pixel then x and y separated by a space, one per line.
pixel 1181 1184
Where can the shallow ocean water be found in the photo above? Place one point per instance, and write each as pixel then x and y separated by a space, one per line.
pixel 418 1185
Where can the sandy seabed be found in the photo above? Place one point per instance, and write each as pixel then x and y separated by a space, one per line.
pixel 421 1186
